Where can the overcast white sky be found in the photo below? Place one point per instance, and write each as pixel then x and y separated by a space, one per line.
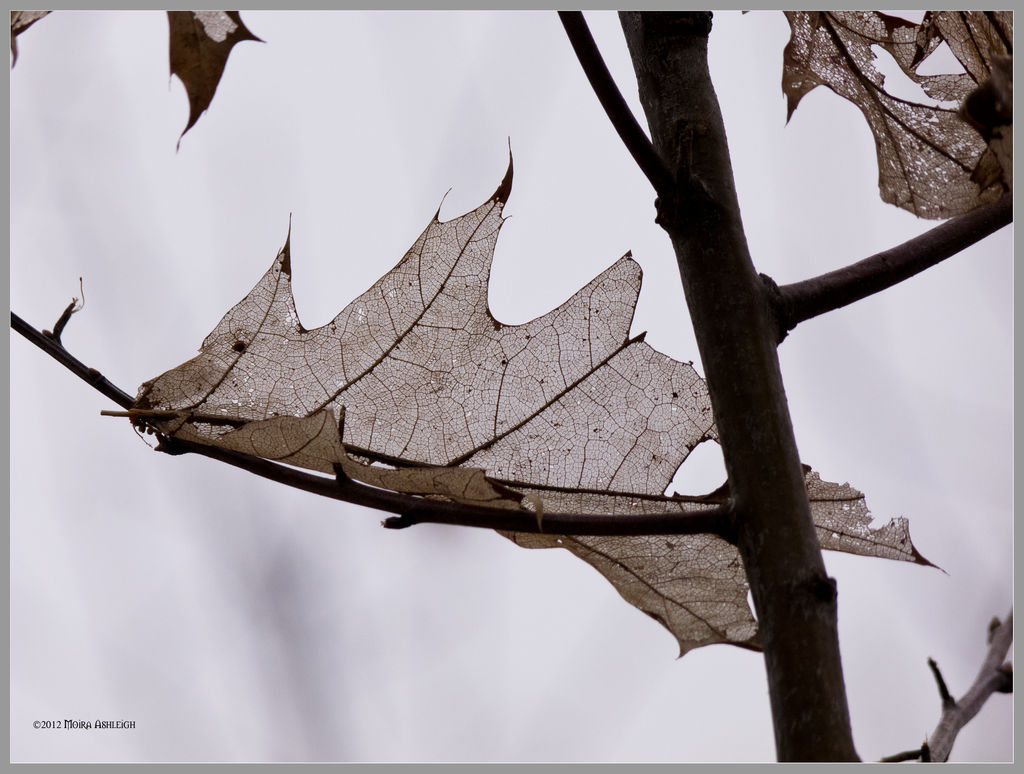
pixel 233 619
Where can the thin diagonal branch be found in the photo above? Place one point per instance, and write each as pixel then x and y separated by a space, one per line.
pixel 52 347
pixel 622 118
pixel 994 676
pixel 411 509
pixel 801 301
pixel 944 694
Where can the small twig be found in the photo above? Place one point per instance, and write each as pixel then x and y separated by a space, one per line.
pixel 163 415
pixel 1006 686
pixel 144 414
pixel 622 118
pixel 993 677
pixel 809 298
pixel 58 328
pixel 397 522
pixel 907 755
pixel 993 627
pixel 412 509
pixel 947 699
pixel 74 306
pixel 55 349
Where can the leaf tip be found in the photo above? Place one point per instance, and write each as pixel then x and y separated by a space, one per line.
pixel 918 558
pixel 193 118
pixel 437 215
pixel 285 256
pixel 791 104
pixel 684 648
pixel 631 264
pixel 502 193
pixel 915 556
pixel 242 32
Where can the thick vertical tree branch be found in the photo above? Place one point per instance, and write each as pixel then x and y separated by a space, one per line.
pixel 794 598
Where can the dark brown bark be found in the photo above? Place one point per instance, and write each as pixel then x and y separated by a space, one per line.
pixel 794 599
pixel 803 300
pixel 615 107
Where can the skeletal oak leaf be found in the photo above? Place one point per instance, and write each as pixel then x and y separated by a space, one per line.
pixel 416 388
pixel 695 585
pixel 930 160
pixel 201 42
pixel 21 21
pixel 314 440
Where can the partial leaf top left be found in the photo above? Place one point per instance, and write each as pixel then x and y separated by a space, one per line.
pixel 21 21
pixel 200 43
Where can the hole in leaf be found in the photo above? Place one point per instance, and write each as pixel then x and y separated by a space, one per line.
pixel 899 85
pixel 702 471
pixel 941 61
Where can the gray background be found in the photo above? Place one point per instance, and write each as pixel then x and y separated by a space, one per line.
pixel 234 619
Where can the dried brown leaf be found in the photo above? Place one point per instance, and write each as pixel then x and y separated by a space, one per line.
pixel 693 585
pixel 201 42
pixel 843 521
pixel 930 162
pixel 315 442
pixel 562 414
